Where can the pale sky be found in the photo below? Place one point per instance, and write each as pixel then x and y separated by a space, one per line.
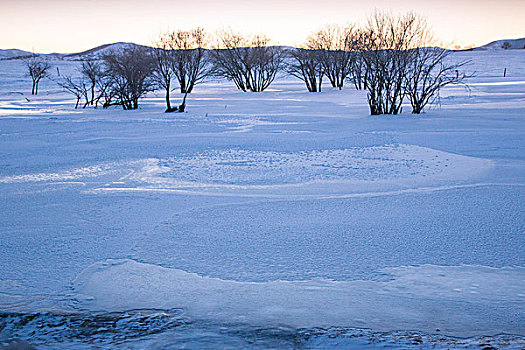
pixel 46 26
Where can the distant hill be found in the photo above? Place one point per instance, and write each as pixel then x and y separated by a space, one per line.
pixel 99 51
pixel 13 53
pixel 510 44
pixel 96 52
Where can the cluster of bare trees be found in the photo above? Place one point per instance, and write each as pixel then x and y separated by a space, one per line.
pixel 332 52
pixel 123 77
pixel 394 58
pixel 119 78
pixel 180 55
pixel 400 60
pixel 250 62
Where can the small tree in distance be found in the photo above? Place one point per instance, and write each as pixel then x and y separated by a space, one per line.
pixel 335 51
pixel 250 62
pixel 427 73
pixel 130 76
pixel 401 59
pixel 386 58
pixel 305 65
pixel 76 87
pixel 92 70
pixel 37 69
pixel 163 72
pixel 187 52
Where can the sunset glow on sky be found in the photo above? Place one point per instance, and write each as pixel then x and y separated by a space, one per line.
pixel 75 25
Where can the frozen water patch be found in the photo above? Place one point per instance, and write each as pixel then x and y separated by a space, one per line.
pixel 358 170
pixel 66 330
pixel 339 171
pixel 341 338
pixel 78 175
pixel 157 329
pixel 458 300
pixel 243 124
pixel 67 175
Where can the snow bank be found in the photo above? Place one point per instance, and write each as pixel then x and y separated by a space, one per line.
pixel 457 300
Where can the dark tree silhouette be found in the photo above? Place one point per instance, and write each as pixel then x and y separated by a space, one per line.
pixel 428 71
pixel 77 87
pixel 130 76
pixel 37 69
pixel 305 65
pixel 249 62
pixel 92 70
pixel 163 72
pixel 188 57
pixel 336 52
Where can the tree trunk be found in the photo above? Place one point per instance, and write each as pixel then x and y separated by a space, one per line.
pixel 182 107
pixel 168 104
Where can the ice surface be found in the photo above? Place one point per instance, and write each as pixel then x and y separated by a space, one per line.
pixel 459 300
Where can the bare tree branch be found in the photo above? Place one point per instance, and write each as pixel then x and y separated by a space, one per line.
pixel 37 69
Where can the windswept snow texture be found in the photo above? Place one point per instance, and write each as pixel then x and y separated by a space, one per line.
pixel 281 219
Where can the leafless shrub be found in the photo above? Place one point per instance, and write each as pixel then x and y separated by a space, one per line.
pixel 428 72
pixel 129 75
pixel 386 57
pixel 306 65
pixel 335 45
pixel 77 87
pixel 401 59
pixel 92 70
pixel 188 59
pixel 37 69
pixel 249 62
pixel 163 72
pixel 181 55
pixel 356 43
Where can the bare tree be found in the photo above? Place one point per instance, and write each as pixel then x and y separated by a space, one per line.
pixel 37 69
pixel 335 44
pixel 163 72
pixel 104 90
pixel 249 62
pixel 93 71
pixel 427 73
pixel 386 57
pixel 187 52
pixel 306 65
pixel 77 87
pixel 130 76
pixel 401 59
pixel 356 44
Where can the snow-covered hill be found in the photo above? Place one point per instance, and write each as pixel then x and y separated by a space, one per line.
pixel 13 53
pixel 510 44
pixel 95 52
pixel 101 50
